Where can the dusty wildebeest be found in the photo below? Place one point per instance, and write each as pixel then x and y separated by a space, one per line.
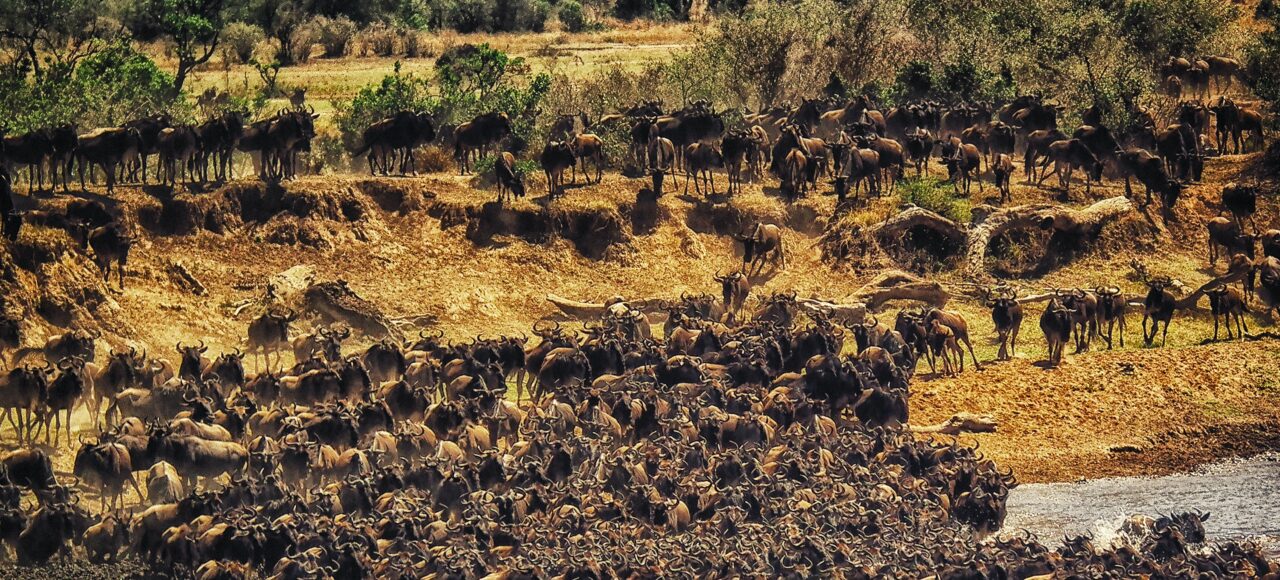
pixel 1006 315
pixel 218 139
pixel 1159 306
pixel 268 333
pixel 477 135
pixel 963 161
pixel 556 157
pixel 1056 325
pixel 700 161
pixel 1066 156
pixel 111 244
pixel 764 242
pixel 1150 171
pixel 919 147
pixel 507 177
pixel 1227 302
pixel 396 136
pixel 1226 234
pixel 108 149
pixel 1002 168
pixel 587 147
pixel 734 288
pixel 1112 305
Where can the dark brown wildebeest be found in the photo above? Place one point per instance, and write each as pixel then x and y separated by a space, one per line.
pixel 919 147
pixel 509 182
pixel 1223 68
pixel 268 333
pixel 1158 306
pixel 63 140
pixel 1002 168
pixel 700 161
pixel 111 244
pixel 1227 115
pixel 1111 310
pixel 1006 315
pixel 662 159
pixel 397 135
pixel 1068 155
pixel 31 149
pixel 795 167
pixel 892 161
pixel 477 135
pixel 1226 234
pixel 1055 323
pixel 1038 143
pixel 149 136
pixel 218 139
pixel 1270 243
pixel 963 161
pixel 556 157
pixel 288 135
pixel 1226 302
pixel 108 149
pixel 1100 140
pixel 734 149
pixel 106 465
pixel 177 147
pixel 587 147
pixel 697 123
pixel 734 288
pixel 1150 171
pixel 567 125
pixel 764 242
pixel 1084 316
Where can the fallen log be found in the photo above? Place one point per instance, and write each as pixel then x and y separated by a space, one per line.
pixel 960 423
pixel 593 311
pixel 1043 216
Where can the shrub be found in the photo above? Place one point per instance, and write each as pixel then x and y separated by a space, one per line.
pixel 378 39
pixel 469 15
pixel 1263 68
pixel 239 40
pixel 301 42
pixel 434 159
pixel 334 34
pixel 416 45
pixel 516 15
pixel 935 195
pixel 572 17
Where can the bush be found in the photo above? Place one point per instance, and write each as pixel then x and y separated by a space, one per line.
pixel 378 39
pixel 334 34
pixel 416 45
pixel 936 196
pixel 572 16
pixel 301 42
pixel 240 40
pixel 516 15
pixel 469 15
pixel 1262 68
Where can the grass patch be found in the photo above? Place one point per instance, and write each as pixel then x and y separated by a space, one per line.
pixel 935 195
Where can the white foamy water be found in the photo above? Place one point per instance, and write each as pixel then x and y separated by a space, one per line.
pixel 1242 496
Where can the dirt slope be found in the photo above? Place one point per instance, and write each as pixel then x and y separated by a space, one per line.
pixel 431 249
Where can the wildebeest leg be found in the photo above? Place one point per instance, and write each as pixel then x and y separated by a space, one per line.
pixel 1164 337
pixel 1215 327
pixel 1239 324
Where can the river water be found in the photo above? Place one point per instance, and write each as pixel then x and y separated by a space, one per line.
pixel 1242 496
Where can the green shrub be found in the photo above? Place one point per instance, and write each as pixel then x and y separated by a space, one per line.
pixel 935 195
pixel 379 39
pixel 469 15
pixel 572 16
pixel 240 40
pixel 1262 68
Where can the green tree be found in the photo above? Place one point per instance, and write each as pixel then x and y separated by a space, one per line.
pixel 194 26
pixel 40 35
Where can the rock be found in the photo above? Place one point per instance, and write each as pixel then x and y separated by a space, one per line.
pixel 292 282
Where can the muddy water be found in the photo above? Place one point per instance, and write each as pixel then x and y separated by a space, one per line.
pixel 1243 497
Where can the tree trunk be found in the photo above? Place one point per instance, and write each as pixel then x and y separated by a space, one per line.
pixel 1044 216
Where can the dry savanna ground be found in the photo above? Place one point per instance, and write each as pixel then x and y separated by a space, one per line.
pixel 408 246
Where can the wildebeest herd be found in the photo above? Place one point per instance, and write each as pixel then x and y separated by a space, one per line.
pixel 701 451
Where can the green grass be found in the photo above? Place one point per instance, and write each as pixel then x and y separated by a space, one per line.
pixel 935 195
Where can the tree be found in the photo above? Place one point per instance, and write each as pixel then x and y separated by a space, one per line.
pixel 194 26
pixel 60 31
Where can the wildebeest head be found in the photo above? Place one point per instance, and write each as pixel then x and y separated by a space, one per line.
pixel 191 366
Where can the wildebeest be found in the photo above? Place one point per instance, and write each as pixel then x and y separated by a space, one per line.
pixel 110 244
pixel 1002 168
pixel 509 181
pixel 1158 306
pixel 1111 310
pixel 700 161
pixel 919 147
pixel 764 242
pixel 268 333
pixel 177 147
pixel 1055 323
pixel 1066 156
pixel 1226 234
pixel 396 136
pixel 1226 302
pixel 1242 202
pixel 734 288
pixel 792 172
pixel 1006 315
pixel 963 161
pixel 477 135
pixel 107 149
pixel 106 464
pixel 587 147
pixel 556 157
pixel 1150 171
